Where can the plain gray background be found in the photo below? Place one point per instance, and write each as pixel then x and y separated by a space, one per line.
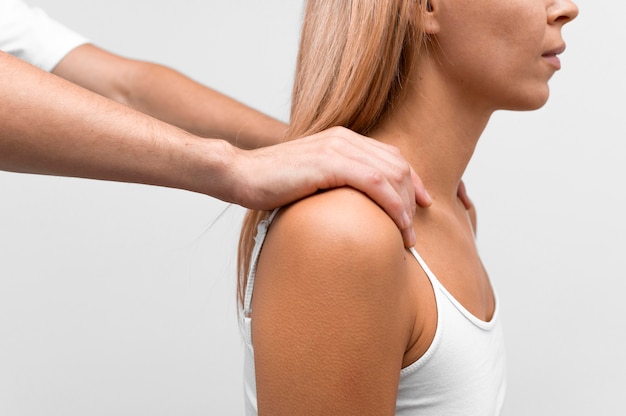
pixel 120 299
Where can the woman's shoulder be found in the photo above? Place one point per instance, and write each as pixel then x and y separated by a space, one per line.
pixel 337 241
pixel 339 219
pixel 330 299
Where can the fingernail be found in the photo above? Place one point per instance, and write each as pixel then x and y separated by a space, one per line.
pixel 412 237
pixel 428 196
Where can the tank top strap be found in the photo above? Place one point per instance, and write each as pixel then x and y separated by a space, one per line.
pixel 259 239
pixel 431 276
pixel 438 286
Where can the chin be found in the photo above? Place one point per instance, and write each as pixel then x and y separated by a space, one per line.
pixel 529 100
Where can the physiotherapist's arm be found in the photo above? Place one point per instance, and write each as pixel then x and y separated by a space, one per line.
pixel 51 126
pixel 170 96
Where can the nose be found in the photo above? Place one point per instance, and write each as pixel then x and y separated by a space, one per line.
pixel 562 12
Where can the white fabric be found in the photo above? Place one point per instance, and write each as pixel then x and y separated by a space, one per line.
pixel 29 34
pixel 464 370
pixel 249 378
pixel 462 373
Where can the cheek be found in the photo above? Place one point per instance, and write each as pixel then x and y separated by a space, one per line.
pixel 523 35
pixel 493 30
pixel 498 56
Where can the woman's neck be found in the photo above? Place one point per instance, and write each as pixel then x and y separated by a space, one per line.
pixel 436 128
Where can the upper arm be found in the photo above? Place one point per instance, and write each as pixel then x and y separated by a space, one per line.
pixel 330 316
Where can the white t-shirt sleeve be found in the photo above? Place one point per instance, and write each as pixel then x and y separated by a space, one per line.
pixel 29 34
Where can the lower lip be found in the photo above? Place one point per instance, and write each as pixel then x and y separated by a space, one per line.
pixel 553 60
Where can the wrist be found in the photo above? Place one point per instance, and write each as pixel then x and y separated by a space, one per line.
pixel 211 167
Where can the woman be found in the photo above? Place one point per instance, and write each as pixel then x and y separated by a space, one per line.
pixel 339 318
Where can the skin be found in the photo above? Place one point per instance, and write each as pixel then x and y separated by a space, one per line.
pixel 340 306
pixel 59 128
pixel 177 100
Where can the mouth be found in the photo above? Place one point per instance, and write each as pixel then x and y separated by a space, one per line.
pixel 555 51
pixel 551 56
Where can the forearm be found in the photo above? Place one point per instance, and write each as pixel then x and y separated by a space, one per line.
pixel 201 110
pixel 169 96
pixel 50 126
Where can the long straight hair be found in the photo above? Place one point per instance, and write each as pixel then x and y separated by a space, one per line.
pixel 354 60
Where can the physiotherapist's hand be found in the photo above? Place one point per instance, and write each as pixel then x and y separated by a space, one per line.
pixel 465 199
pixel 467 203
pixel 274 176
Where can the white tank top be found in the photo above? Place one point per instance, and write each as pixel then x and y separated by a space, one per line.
pixel 461 373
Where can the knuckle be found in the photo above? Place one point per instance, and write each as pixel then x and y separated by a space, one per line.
pixel 338 143
pixel 398 175
pixel 338 132
pixel 406 168
pixel 376 178
pixel 396 151
pixel 393 150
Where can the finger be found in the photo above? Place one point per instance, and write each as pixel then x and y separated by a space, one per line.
pixel 422 197
pixel 399 188
pixel 398 205
pixel 462 194
pixel 408 236
pixel 417 192
pixel 341 157
pixel 393 156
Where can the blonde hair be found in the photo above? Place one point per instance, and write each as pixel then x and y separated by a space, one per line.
pixel 354 60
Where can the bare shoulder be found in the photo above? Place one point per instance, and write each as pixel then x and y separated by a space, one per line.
pixel 338 223
pixel 330 301
pixel 341 239
pixel 336 252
